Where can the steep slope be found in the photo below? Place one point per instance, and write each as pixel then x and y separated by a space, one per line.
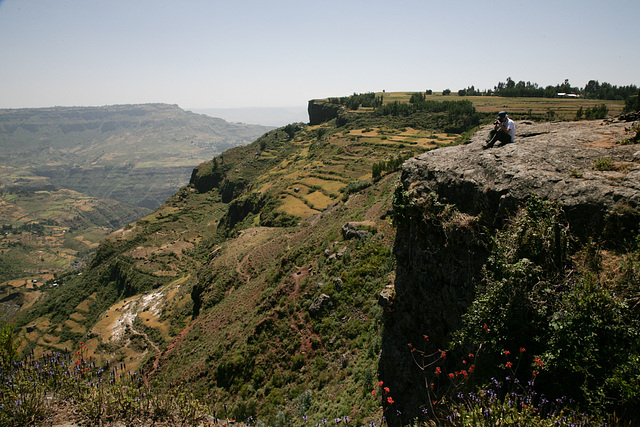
pixel 245 280
pixel 69 176
pixel 454 209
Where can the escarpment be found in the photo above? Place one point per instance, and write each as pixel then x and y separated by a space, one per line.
pixel 450 202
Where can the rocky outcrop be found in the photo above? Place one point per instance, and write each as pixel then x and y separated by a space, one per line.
pixel 321 111
pixel 450 201
pixel 320 304
pixel 358 230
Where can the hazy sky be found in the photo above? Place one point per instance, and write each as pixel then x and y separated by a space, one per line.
pixel 250 53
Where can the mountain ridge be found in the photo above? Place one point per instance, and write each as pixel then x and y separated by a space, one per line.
pixel 91 149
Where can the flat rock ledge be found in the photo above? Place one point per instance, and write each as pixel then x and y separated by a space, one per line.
pixel 555 160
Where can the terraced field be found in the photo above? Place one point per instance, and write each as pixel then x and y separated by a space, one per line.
pixel 310 184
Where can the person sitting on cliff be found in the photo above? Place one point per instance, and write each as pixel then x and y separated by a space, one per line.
pixel 504 130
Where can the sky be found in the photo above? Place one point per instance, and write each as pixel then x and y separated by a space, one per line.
pixel 208 54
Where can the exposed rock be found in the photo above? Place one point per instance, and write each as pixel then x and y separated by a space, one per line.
pixel 452 198
pixel 320 304
pixel 357 230
pixel 386 298
pixel 556 163
pixel 321 111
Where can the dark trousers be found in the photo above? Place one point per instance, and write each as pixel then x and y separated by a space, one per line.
pixel 498 135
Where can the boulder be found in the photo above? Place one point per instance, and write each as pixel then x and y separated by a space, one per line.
pixel 357 230
pixel 320 304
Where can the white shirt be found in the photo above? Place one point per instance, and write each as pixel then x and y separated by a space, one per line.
pixel 511 128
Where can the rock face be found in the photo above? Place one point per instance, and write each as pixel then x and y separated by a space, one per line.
pixel 452 199
pixel 553 160
pixel 321 111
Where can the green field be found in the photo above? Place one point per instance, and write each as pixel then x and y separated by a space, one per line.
pixel 564 108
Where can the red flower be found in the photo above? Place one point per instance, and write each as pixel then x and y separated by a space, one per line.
pixel 522 350
pixel 464 373
pixel 451 375
pixel 380 384
pixel 507 352
pixel 538 361
pixel 470 355
pixel 472 368
pixel 443 354
pixel 509 364
pixel 438 370
pixel 373 392
pixel 534 373
pixel 386 390
pixel 426 337
pixel 390 400
pixel 485 327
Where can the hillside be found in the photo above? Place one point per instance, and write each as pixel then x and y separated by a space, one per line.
pixel 251 254
pixel 136 154
pixel 71 175
pixel 268 284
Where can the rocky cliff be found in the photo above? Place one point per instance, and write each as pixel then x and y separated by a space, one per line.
pixel 321 111
pixel 452 199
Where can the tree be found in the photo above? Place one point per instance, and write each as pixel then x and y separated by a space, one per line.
pixel 416 98
pixel 446 92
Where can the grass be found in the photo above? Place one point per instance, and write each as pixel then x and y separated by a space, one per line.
pixel 294 206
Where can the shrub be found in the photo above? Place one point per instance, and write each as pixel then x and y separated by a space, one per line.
pixel 604 164
pixel 532 296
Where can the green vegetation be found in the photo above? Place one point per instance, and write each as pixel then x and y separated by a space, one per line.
pixel 392 164
pixel 594 113
pixel 549 298
pixel 238 256
pixel 49 232
pixel 592 90
pixel 356 100
pixel 634 135
pixel 240 298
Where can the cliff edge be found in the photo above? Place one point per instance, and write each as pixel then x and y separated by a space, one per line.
pixel 451 200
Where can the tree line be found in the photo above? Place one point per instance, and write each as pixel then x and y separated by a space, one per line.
pixel 358 100
pixel 592 90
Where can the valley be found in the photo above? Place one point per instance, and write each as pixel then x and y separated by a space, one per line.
pixel 264 286
pixel 70 176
